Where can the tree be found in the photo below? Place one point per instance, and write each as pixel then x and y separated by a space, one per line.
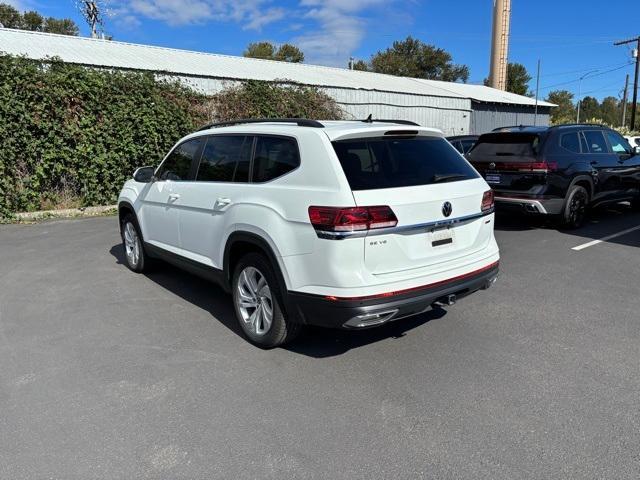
pixel 9 16
pixel 361 65
pixel 589 108
pixel 414 58
pixel 565 112
pixel 517 79
pixel 267 51
pixel 289 53
pixel 33 21
pixel 62 26
pixel 610 111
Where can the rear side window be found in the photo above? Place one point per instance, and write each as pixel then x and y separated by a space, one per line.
pixel 467 145
pixel 177 165
pixel 225 159
pixel 373 163
pixel 571 142
pixel 618 143
pixel 595 141
pixel 274 157
pixel 517 146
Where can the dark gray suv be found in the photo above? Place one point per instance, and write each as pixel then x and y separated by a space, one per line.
pixel 561 170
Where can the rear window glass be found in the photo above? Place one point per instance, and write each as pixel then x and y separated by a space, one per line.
pixel 509 145
pixel 373 163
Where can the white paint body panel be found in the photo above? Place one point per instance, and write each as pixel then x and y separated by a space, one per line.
pixel 277 211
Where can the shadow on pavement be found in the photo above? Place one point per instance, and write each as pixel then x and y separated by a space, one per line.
pixel 313 342
pixel 600 223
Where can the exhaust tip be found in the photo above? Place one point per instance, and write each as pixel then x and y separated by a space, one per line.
pixel 371 319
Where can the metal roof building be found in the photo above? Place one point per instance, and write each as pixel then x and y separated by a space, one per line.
pixel 454 108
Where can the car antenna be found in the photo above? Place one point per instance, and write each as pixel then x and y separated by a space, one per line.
pixel 369 118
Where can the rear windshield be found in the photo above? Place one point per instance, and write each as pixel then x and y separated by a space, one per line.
pixel 372 163
pixel 511 146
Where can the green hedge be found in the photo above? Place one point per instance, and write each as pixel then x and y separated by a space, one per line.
pixel 70 135
pixel 68 132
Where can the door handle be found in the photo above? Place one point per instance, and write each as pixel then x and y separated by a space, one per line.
pixel 221 203
pixel 173 197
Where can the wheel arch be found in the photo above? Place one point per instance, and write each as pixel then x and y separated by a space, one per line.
pixel 125 208
pixel 238 244
pixel 585 182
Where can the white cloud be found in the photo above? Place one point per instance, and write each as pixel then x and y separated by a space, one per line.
pixel 341 29
pixel 251 14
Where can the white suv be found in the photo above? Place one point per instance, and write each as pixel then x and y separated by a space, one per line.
pixel 344 224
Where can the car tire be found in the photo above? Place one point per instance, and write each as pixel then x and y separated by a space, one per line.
pixel 258 301
pixel 575 208
pixel 635 204
pixel 134 255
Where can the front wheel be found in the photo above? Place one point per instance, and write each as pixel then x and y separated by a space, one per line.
pixel 134 253
pixel 575 207
pixel 258 303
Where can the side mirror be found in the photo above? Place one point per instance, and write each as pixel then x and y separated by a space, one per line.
pixel 144 174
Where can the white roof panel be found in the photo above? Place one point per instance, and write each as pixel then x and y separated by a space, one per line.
pixel 105 53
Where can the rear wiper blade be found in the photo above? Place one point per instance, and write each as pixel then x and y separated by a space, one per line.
pixel 446 177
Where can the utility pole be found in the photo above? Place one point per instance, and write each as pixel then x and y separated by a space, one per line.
pixel 635 81
pixel 624 101
pixel 535 115
pixel 500 44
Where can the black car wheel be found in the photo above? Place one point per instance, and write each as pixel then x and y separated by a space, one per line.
pixel 575 207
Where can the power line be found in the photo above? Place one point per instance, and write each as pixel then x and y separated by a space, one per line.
pixel 620 67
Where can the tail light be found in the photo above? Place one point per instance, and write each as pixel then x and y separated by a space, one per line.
pixel 487 200
pixel 351 219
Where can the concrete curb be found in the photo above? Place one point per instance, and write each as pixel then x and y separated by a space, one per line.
pixel 66 213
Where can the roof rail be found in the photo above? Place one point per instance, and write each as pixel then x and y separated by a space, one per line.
pixel 369 119
pixel 580 125
pixel 301 122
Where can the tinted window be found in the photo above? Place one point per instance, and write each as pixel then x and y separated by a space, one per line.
pixel 571 142
pixel 618 143
pixel 274 157
pixel 225 159
pixel 457 145
pixel 516 146
pixel 595 141
pixel 467 145
pixel 177 165
pixel 374 163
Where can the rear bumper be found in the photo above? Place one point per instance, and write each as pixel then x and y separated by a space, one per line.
pixel 531 205
pixel 363 312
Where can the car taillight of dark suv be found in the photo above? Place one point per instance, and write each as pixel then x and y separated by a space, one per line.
pixel 561 170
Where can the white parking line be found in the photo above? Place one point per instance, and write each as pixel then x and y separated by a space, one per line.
pixel 605 239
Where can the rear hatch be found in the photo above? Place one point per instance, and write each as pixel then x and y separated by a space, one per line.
pixel 415 175
pixel 510 160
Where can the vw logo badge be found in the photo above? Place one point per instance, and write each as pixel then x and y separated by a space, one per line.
pixel 492 166
pixel 447 209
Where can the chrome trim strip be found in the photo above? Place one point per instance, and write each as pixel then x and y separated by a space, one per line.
pixel 522 201
pixel 405 228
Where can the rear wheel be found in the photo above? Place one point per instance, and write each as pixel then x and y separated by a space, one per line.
pixel 575 207
pixel 258 303
pixel 134 254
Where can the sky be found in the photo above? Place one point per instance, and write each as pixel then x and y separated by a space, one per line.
pixel 572 38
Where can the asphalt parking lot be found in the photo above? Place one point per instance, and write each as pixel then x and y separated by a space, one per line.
pixel 109 374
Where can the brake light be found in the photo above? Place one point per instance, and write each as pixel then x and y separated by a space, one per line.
pixel 487 200
pixel 351 219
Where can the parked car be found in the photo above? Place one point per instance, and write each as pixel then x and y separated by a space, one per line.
pixel 463 143
pixel 633 141
pixel 339 224
pixel 560 170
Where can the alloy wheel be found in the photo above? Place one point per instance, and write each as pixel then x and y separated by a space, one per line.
pixel 131 244
pixel 254 301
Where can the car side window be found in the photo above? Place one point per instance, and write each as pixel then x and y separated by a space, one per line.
pixel 618 143
pixel 595 141
pixel 177 165
pixel 467 145
pixel 225 158
pixel 570 141
pixel 274 157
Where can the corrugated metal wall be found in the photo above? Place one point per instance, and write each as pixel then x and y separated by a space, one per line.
pixel 485 116
pixel 449 114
